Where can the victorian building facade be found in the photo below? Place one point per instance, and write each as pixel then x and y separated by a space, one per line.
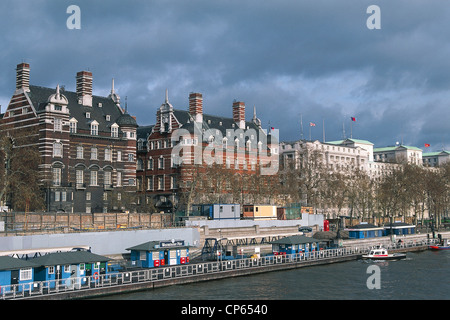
pixel 183 143
pixel 87 143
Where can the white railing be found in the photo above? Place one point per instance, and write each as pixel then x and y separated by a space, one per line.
pixel 41 288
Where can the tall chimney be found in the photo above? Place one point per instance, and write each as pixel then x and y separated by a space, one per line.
pixel 196 106
pixel 84 88
pixel 239 113
pixel 23 76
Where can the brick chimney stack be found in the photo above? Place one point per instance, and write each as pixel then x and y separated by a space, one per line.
pixel 239 113
pixel 23 76
pixel 196 106
pixel 84 88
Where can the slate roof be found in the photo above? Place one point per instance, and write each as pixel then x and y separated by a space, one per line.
pixel 151 246
pixel 73 257
pixel 298 239
pixel 39 96
pixel 9 263
pixel 213 122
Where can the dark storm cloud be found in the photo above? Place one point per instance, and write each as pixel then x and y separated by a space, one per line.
pixel 288 58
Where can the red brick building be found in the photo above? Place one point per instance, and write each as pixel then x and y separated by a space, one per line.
pixel 183 143
pixel 87 143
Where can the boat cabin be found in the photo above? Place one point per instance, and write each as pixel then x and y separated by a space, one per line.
pixel 159 253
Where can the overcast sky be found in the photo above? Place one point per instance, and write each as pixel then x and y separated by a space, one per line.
pixel 314 59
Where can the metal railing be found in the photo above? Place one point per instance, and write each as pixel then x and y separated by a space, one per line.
pixel 42 288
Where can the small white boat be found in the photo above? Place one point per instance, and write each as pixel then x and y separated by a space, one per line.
pixel 383 254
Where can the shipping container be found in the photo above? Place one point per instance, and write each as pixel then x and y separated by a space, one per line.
pixel 260 212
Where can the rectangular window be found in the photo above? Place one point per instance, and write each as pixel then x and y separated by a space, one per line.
pixel 93 178
pixel 119 178
pixel 63 196
pixel 72 127
pixel 161 163
pixel 160 182
pixel 56 176
pixel 67 268
pixel 114 132
pixel 130 157
pixel 57 125
pixel 94 129
pixel 107 154
pixel 150 164
pixel 119 155
pixel 149 183
pixel 79 176
pixel 88 196
pixel 80 152
pixel 26 274
pixel 51 270
pixel 107 178
pixel 57 149
pixel 93 153
pixel 57 196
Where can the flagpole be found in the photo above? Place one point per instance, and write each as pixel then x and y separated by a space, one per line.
pixel 323 127
pixel 301 126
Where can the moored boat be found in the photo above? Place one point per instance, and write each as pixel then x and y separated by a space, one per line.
pixel 383 254
pixel 444 244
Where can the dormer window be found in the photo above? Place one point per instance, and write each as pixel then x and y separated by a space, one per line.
pixel 94 128
pixel 115 131
pixel 88 115
pixel 108 117
pixel 73 125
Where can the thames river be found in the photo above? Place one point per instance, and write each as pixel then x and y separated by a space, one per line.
pixel 421 276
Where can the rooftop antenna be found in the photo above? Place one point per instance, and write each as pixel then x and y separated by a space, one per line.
pixel 343 130
pixel 301 126
pixel 126 104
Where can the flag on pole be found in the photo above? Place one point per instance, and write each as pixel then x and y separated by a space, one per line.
pixel 427 145
pixel 312 124
pixel 353 118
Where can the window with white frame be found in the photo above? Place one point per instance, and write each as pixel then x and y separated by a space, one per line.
pixel 161 163
pixel 94 154
pixel 119 178
pixel 80 152
pixel 57 149
pixel 131 157
pixel 119 155
pixel 56 176
pixel 93 181
pixel 79 175
pixel 94 128
pixel 57 124
pixel 114 130
pixel 160 182
pixel 149 183
pixel 26 274
pixel 73 125
pixel 107 154
pixel 107 178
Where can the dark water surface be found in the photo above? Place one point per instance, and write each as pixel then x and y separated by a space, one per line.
pixel 421 276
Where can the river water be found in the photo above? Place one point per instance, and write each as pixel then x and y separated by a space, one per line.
pixel 421 276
